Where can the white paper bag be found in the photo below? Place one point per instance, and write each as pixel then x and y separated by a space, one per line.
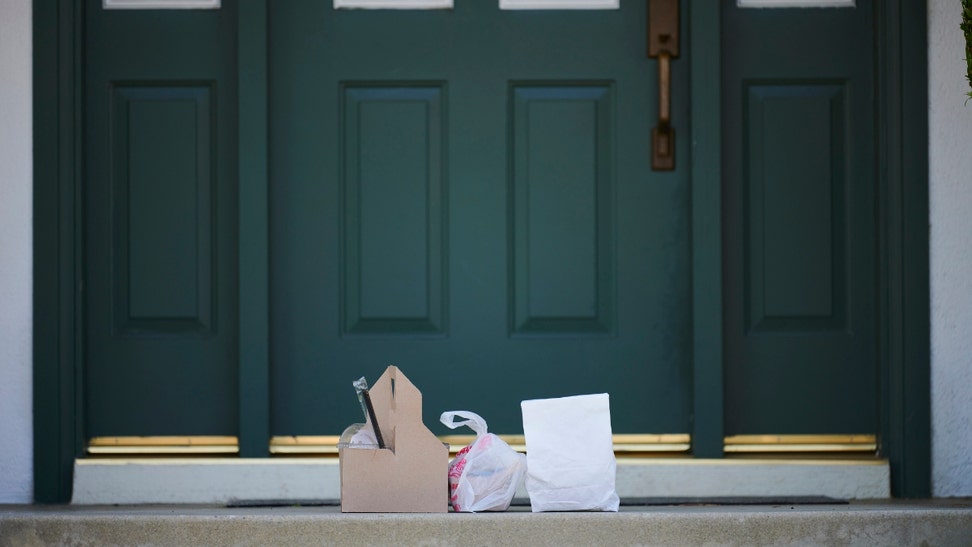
pixel 570 454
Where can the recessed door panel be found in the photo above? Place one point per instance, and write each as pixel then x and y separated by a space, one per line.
pixel 394 236
pixel 562 209
pixel 162 226
pixel 796 267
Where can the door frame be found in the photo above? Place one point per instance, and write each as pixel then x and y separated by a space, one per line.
pixel 902 211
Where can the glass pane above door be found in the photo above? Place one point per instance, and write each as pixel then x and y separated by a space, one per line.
pixel 559 4
pixel 392 4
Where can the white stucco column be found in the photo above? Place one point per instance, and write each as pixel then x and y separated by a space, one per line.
pixel 950 194
pixel 16 253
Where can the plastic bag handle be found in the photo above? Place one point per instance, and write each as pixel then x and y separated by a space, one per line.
pixel 473 420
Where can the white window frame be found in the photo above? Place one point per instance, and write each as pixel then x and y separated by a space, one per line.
pixel 795 3
pixel 559 4
pixel 160 4
pixel 392 4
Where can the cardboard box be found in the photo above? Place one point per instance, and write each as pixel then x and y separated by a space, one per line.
pixel 409 475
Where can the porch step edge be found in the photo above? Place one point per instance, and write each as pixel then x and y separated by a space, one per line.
pixel 237 480
pixel 854 524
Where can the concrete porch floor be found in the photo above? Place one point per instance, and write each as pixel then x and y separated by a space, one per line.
pixel 889 522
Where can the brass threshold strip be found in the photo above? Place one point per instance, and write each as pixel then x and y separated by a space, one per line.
pixel 755 444
pixel 623 443
pixel 181 445
pixel 308 445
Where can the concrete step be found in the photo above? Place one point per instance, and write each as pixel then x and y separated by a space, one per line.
pixel 223 481
pixel 935 522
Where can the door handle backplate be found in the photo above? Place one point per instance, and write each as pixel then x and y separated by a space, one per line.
pixel 663 45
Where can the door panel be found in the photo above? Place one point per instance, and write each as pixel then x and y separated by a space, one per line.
pixel 394 157
pixel 162 259
pixel 799 228
pixel 467 194
pixel 159 198
pixel 562 214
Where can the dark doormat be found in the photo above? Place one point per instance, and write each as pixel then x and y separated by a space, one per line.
pixel 726 500
pixel 735 500
pixel 625 502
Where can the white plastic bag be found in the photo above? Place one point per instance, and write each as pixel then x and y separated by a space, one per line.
pixel 570 454
pixel 484 475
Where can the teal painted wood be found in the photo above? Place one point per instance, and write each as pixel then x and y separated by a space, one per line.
pixel 254 285
pixel 617 318
pixel 160 223
pixel 800 228
pixel 162 249
pixel 393 182
pixel 705 60
pixel 562 214
pixel 57 250
pixel 791 215
pixel 796 259
pixel 915 462
pixel 903 132
pixel 905 410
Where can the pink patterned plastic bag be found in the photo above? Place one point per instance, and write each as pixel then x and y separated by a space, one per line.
pixel 483 476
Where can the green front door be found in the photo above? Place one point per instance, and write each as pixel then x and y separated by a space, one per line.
pixel 467 194
pixel 159 194
pixel 800 232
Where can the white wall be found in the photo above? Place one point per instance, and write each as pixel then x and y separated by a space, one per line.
pixel 950 193
pixel 16 187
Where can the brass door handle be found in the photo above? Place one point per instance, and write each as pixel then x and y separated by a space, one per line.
pixel 663 45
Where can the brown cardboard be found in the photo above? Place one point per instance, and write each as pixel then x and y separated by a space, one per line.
pixel 410 475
